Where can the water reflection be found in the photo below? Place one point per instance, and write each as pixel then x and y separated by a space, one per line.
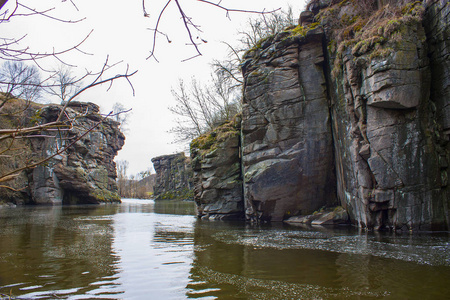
pixel 148 250
pixel 53 249
pixel 278 262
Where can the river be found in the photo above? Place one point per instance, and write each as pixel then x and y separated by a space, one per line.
pixel 142 249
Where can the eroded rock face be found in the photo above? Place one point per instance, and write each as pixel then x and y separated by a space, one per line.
pixel 386 133
pixel 173 177
pixel 217 173
pixel 86 172
pixel 287 151
pixel 331 111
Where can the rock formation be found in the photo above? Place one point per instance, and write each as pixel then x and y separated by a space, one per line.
pixel 85 173
pixel 349 108
pixel 173 177
pixel 390 137
pixel 287 150
pixel 217 173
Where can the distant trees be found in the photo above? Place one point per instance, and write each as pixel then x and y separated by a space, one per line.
pixel 138 186
pixel 19 80
pixel 64 83
pixel 121 115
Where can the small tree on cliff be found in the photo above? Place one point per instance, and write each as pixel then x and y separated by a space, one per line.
pixel 19 80
pixel 255 30
pixel 202 107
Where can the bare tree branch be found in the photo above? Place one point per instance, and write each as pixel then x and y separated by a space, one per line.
pixel 190 26
pixel 40 162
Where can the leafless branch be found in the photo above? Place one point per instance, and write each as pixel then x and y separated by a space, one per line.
pixel 97 82
pixel 228 10
pixel 16 172
pixel 44 14
pixel 190 26
pixel 156 31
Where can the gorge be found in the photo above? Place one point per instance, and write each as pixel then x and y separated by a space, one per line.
pixel 350 108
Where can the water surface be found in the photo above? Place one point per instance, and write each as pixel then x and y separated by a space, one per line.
pixel 146 250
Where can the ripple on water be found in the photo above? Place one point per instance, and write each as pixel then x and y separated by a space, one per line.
pixel 253 288
pixel 431 251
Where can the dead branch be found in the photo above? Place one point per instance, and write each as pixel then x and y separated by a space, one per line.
pixel 190 26
pixel 228 10
pixel 97 82
pixel 22 131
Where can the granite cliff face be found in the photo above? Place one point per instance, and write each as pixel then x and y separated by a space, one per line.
pixel 391 146
pixel 217 173
pixel 173 177
pixel 287 150
pixel 85 173
pixel 350 108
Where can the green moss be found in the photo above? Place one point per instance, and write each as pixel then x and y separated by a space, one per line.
pixel 414 8
pixel 204 141
pixel 105 196
pixel 210 141
pixel 183 194
pixel 301 30
pixel 366 45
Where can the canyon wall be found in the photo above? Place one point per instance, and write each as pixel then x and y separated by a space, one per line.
pixel 217 173
pixel 173 177
pixel 349 108
pixel 391 144
pixel 287 149
pixel 84 173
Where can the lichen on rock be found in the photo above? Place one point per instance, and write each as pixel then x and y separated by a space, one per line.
pixel 217 172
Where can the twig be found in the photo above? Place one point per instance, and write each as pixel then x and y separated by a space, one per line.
pixel 152 53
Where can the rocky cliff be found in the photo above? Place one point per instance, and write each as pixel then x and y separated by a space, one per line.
pixel 217 173
pixel 350 108
pixel 287 149
pixel 173 177
pixel 84 173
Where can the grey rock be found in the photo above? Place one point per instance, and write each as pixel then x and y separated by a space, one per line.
pixel 173 177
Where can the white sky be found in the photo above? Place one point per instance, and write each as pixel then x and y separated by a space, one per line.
pixel 121 31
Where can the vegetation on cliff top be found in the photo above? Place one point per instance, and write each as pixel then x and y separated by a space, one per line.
pixel 211 140
pixel 366 27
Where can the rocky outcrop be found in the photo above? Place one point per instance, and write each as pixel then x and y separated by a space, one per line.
pixel 351 107
pixel 84 173
pixel 217 173
pixel 173 177
pixel 287 150
pixel 387 145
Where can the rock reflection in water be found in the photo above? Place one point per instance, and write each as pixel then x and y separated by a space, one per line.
pixel 46 249
pixel 148 250
pixel 275 262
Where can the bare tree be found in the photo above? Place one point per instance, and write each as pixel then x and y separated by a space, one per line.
pixel 64 83
pixel 122 176
pixel 256 30
pixel 121 115
pixel 19 80
pixel 202 107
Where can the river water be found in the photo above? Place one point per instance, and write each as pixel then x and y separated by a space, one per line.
pixel 142 249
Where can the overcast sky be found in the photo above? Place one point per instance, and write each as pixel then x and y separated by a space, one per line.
pixel 121 31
